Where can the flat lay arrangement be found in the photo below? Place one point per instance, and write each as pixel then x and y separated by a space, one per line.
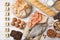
pixel 30 19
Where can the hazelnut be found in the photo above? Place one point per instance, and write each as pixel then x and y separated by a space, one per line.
pixel 51 33
pixel 12 23
pixel 17 25
pixel 18 21
pixel 21 27
pixel 58 35
pixel 14 19
pixel 22 22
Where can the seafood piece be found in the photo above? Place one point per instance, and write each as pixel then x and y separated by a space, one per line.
pixel 34 19
pixel 37 30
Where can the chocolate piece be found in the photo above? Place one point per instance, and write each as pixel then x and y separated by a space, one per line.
pixel 16 35
pixel 13 33
pixel 19 35
pixel 51 33
pixel 57 16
